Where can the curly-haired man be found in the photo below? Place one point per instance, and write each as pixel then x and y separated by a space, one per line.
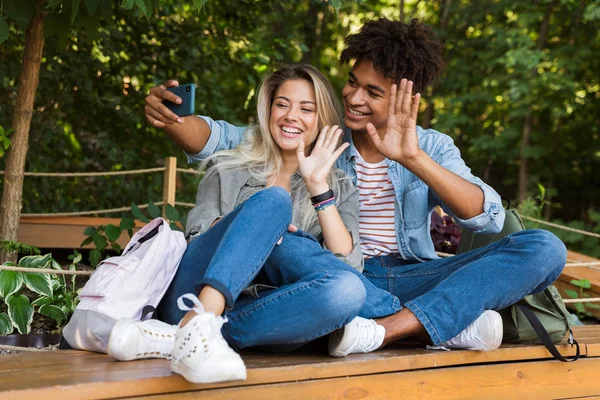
pixel 402 172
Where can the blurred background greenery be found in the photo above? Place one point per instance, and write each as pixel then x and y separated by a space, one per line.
pixel 520 95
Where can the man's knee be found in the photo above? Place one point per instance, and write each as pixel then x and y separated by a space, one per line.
pixel 549 252
pixel 344 295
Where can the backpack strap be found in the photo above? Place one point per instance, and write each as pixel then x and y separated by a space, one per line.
pixel 148 312
pixel 143 235
pixel 545 338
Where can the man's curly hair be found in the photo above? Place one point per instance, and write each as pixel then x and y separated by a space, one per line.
pixel 397 50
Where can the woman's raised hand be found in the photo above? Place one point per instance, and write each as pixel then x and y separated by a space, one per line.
pixel 156 113
pixel 315 168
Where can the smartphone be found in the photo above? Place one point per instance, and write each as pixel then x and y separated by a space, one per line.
pixel 187 93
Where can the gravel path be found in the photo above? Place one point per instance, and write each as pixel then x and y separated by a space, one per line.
pixel 13 351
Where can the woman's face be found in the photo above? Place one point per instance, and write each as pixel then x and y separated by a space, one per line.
pixel 294 115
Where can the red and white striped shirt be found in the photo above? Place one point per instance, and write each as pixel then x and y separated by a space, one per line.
pixel 376 217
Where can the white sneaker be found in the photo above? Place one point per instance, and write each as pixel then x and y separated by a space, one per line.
pixel 133 340
pixel 200 353
pixel 485 334
pixel 359 336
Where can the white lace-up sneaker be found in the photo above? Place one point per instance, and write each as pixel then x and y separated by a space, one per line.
pixel 359 336
pixel 200 353
pixel 485 334
pixel 133 340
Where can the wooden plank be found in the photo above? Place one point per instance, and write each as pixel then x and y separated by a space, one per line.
pixel 169 182
pixel 563 286
pixel 590 273
pixel 587 332
pixel 82 375
pixel 573 256
pixel 582 398
pixel 497 381
pixel 64 232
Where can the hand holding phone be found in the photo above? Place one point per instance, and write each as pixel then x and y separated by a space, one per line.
pixel 187 94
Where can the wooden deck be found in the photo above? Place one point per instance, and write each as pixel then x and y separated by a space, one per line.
pixel 392 373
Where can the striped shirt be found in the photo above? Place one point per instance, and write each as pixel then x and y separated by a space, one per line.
pixel 376 216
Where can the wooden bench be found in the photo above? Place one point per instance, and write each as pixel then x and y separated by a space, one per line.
pixel 393 373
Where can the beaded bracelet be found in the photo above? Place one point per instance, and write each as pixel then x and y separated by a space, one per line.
pixel 324 204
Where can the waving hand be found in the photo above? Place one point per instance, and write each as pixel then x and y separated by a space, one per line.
pixel 315 168
pixel 400 142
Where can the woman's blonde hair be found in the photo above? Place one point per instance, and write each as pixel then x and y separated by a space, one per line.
pixel 259 153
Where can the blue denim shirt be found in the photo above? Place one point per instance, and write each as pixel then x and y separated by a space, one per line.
pixel 414 201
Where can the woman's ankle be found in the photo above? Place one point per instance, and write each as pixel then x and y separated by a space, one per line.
pixel 187 318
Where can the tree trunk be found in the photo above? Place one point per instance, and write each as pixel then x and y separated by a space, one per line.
pixel 429 112
pixel 529 117
pixel 313 31
pixel 10 208
pixel 401 7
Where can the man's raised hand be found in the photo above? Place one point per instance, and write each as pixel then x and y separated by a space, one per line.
pixel 400 142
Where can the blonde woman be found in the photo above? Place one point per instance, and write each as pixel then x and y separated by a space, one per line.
pixel 255 258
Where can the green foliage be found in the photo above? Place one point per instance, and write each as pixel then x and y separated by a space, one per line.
pixel 65 15
pixel 53 295
pixel 20 248
pixel 4 134
pixel 105 237
pixel 6 326
pixel 532 207
pixel 581 308
pixel 95 75
pixel 20 312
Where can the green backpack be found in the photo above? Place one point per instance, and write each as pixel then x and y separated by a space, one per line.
pixel 540 318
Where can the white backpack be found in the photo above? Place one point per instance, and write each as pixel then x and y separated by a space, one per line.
pixel 122 286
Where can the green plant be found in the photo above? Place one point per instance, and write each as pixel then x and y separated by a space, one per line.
pixel 106 236
pixel 533 206
pixel 55 298
pixel 21 248
pixel 580 308
pixel 4 139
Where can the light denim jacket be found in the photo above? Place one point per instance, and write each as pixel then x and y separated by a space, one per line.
pixel 414 201
pixel 219 193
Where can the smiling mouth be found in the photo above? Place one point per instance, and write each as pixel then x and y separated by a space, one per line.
pixel 356 113
pixel 290 132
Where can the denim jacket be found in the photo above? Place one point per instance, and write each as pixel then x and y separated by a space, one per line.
pixel 219 193
pixel 414 201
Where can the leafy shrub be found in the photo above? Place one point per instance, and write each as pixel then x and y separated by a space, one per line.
pixel 106 236
pixel 581 308
pixel 53 296
pixel 4 139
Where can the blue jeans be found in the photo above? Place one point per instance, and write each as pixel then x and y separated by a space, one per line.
pixel 447 294
pixel 315 293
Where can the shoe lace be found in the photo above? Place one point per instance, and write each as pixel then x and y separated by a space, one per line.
pixel 367 330
pixel 198 308
pixel 216 323
pixel 464 337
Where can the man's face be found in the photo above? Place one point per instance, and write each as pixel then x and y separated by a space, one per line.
pixel 365 96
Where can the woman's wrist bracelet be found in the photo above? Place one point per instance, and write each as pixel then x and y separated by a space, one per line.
pixel 322 197
pixel 324 204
